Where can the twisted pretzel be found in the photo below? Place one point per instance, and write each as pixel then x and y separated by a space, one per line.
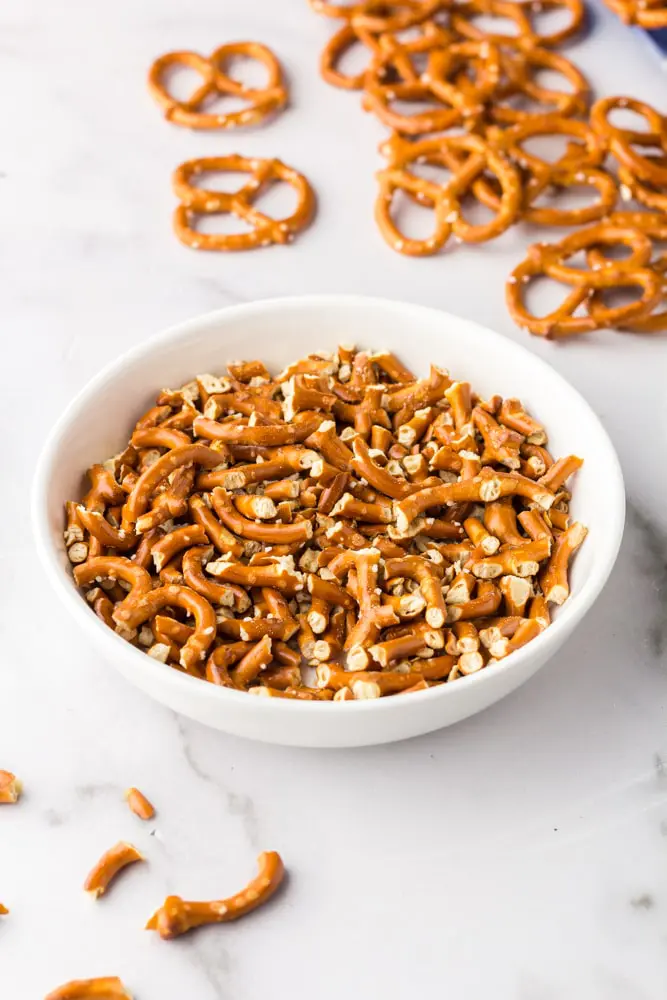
pixel 446 199
pixel 263 173
pixel 520 69
pixel 653 225
pixel 217 83
pixel 548 259
pixel 388 52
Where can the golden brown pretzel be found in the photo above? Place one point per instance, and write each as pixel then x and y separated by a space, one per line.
pixel 522 79
pixel 549 259
pixel 109 865
pixel 654 225
pixel 388 52
pixel 176 916
pixel 265 230
pixel 10 788
pixel 217 83
pixel 481 158
pixel 102 988
pixel 520 13
pixel 139 804
pixel 139 610
pixel 379 15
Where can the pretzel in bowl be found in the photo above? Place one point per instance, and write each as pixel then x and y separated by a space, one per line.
pixel 216 82
pixel 197 201
pixel 347 530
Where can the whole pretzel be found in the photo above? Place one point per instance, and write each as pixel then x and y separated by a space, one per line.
pixel 388 51
pixel 265 230
pixel 647 169
pixel 176 916
pixel 216 83
pixel 446 199
pixel 548 259
pixel 521 79
pixel 653 224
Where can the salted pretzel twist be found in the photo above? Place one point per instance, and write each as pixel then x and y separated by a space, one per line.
pixel 196 201
pixel 216 82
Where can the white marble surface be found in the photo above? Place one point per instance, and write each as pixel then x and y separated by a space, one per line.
pixel 520 855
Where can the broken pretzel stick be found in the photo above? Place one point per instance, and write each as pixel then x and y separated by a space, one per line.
pixel 176 916
pixel 108 866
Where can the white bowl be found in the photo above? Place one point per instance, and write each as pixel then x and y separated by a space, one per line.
pixel 98 422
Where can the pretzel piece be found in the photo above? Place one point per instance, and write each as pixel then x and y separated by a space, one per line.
pixel 138 611
pixel 109 865
pixel 554 580
pixel 10 788
pixel 176 917
pixel 139 804
pixel 102 988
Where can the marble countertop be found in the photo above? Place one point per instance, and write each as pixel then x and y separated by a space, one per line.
pixel 521 854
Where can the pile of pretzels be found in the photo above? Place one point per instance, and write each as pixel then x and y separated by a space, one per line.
pixel 344 530
pixel 478 103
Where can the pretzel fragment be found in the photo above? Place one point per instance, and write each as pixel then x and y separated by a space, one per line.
pixel 109 865
pixel 10 788
pixel 139 804
pixel 554 581
pixel 176 917
pixel 103 988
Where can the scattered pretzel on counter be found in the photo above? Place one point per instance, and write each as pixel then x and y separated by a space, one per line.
pixel 104 988
pixel 176 916
pixel 196 202
pixel 342 530
pixel 139 804
pixel 10 788
pixel 108 866
pixel 3 910
pixel 465 97
pixel 592 301
pixel 216 82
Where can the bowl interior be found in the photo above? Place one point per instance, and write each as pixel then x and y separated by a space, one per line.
pixel 99 421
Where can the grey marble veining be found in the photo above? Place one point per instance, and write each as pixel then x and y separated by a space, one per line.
pixel 519 855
